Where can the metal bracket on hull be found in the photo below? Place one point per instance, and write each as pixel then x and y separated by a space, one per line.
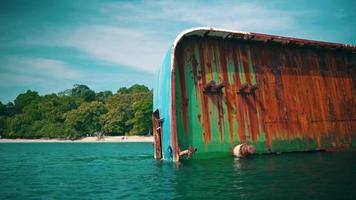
pixel 247 88
pixel 213 88
pixel 186 153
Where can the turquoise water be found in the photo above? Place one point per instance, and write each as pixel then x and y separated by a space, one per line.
pixel 128 171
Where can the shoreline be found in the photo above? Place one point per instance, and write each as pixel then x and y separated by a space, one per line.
pixel 107 139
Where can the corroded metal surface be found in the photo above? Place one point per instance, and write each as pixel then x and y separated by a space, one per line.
pixel 280 97
pixel 218 88
pixel 157 133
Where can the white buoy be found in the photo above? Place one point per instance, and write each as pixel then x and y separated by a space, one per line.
pixel 243 150
pixel 236 151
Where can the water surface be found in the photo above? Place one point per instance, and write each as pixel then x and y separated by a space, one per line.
pixel 128 171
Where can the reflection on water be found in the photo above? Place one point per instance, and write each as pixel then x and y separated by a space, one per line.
pixel 295 176
pixel 128 171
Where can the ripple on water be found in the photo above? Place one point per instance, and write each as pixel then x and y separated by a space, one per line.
pixel 128 171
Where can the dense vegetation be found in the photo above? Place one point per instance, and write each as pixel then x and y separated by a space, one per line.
pixel 78 112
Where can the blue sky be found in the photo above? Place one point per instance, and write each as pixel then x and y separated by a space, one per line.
pixel 48 46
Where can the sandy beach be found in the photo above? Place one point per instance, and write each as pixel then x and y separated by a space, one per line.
pixel 85 140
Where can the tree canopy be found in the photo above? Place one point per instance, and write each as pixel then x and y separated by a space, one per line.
pixel 78 112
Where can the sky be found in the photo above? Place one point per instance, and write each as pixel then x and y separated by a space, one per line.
pixel 48 46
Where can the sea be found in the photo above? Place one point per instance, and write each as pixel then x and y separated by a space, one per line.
pixel 129 171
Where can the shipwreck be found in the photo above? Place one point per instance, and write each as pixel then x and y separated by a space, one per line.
pixel 220 88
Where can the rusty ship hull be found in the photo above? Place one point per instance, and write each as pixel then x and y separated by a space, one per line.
pixel 219 88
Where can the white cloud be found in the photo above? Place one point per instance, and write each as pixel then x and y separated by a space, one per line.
pixel 49 75
pixel 238 15
pixel 230 15
pixel 42 74
pixel 137 35
pixel 142 47
pixel 39 67
pixel 118 45
pixel 50 68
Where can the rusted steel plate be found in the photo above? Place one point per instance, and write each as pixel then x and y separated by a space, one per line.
pixel 277 96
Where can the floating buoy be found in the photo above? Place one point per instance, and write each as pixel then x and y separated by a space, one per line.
pixel 243 150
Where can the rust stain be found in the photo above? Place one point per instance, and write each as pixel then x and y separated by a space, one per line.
pixel 157 130
pixel 174 139
pixel 181 61
pixel 301 87
pixel 229 107
pixel 238 103
pixel 204 99
pixel 216 99
pixel 196 73
pixel 199 118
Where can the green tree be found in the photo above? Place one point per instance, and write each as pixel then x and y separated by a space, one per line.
pixel 82 91
pixel 10 109
pixel 124 107
pixel 103 96
pixel 49 129
pixel 53 107
pixel 2 109
pixel 123 90
pixel 76 112
pixel 66 103
pixel 116 121
pixel 138 88
pixel 32 112
pixel 86 119
pixel 20 127
pixel 2 126
pixel 142 120
pixel 25 99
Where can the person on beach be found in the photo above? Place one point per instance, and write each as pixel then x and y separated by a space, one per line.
pixel 242 150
